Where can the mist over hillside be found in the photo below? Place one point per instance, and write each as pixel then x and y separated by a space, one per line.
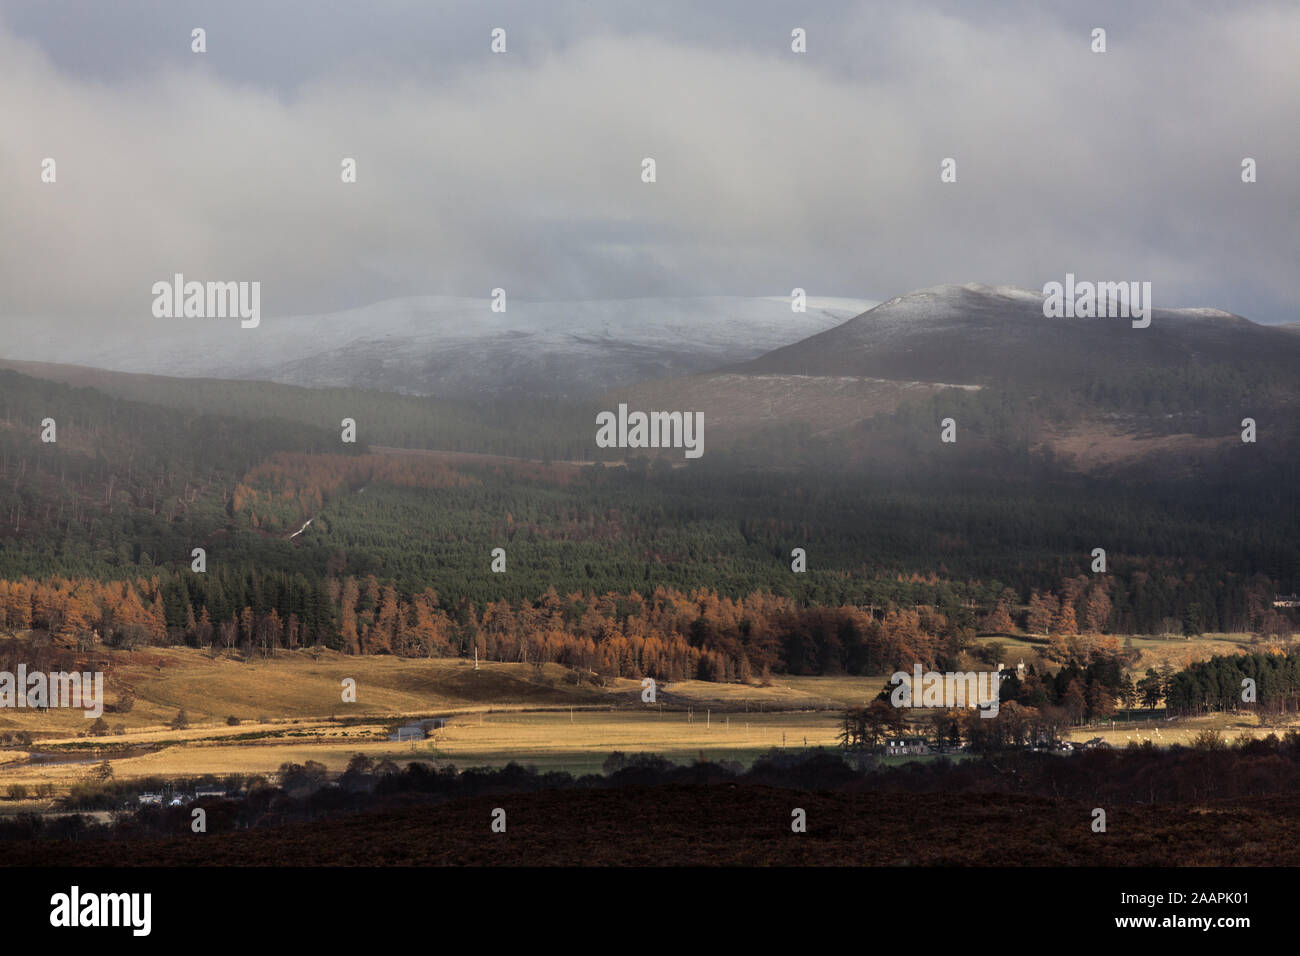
pixel 458 347
pixel 1095 391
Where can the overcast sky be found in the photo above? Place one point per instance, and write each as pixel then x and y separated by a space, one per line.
pixel 522 170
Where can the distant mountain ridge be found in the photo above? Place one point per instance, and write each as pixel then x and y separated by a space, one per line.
pixel 979 335
pixel 458 347
pixel 1096 392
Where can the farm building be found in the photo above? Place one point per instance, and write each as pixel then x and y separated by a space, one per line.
pixel 418 730
pixel 906 745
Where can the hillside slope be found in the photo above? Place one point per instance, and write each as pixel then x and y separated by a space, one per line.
pixel 459 348
pixel 978 335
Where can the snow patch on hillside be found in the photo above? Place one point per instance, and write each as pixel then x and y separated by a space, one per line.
pixel 459 347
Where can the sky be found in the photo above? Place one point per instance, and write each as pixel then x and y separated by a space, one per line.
pixel 522 170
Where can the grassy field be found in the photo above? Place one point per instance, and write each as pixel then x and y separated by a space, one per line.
pixel 1175 650
pixel 1179 652
pixel 290 709
pixel 577 742
pixel 308 684
pixel 556 739
pixel 1183 731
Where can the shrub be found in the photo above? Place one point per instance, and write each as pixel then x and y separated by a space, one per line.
pixel 1210 740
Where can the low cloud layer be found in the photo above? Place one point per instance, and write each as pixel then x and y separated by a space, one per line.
pixel 522 170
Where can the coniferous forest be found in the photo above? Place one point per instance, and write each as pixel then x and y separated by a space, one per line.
pixel 642 569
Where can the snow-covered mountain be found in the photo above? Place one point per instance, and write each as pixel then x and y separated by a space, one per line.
pixel 1164 400
pixel 459 347
pixel 977 334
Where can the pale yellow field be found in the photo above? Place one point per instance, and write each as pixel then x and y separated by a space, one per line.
pixel 1174 649
pixel 552 740
pixel 500 713
pixel 308 684
pixel 1179 652
pixel 1184 730
pixel 555 739
pixel 786 693
pixel 305 684
pixel 578 742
